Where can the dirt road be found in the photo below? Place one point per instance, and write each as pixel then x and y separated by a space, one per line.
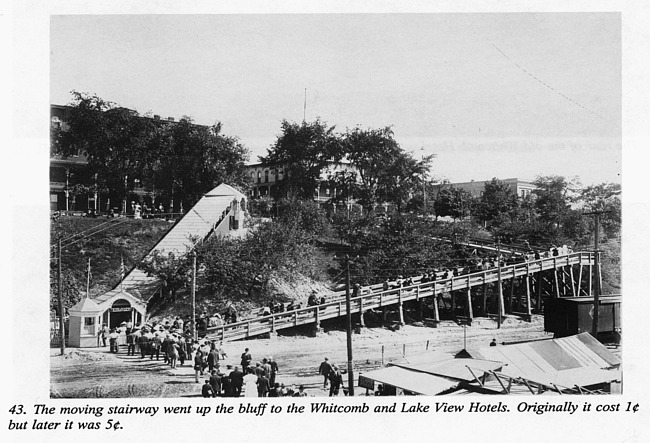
pixel 95 373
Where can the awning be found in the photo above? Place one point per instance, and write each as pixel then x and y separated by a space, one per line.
pixel 458 369
pixel 414 381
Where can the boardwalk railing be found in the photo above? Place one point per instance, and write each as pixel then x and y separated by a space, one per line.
pixel 337 308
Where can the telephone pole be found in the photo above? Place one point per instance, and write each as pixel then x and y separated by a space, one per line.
pixel 348 324
pixel 499 288
pixel 194 332
pixel 597 292
pixel 60 291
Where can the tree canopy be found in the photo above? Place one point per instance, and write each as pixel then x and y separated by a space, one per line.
pixel 301 152
pixel 177 160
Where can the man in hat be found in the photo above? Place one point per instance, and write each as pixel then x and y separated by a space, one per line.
pixel 236 380
pixel 262 385
pixel 213 358
pixel 131 338
pixel 325 369
pixel 226 382
pixel 274 370
pixel 112 337
pixel 246 359
pixel 206 390
pixel 215 381
pixel 336 380
pixel 105 332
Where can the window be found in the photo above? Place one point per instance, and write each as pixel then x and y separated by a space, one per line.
pixel 89 321
pixel 266 176
pixel 327 192
pixel 259 176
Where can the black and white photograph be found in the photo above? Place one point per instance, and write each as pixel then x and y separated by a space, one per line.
pixel 381 205
pixel 386 212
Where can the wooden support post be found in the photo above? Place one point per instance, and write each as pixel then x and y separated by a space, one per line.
pixel 317 317
pixel 556 284
pixel 591 278
pixel 420 309
pixel 436 312
pixel 540 281
pixel 512 291
pixel 484 301
pixel 362 323
pixel 529 310
pixel 470 309
pixel 384 312
pixel 401 309
pixel 573 282
pixel 500 295
pixel 580 279
pixel 453 303
pixel 295 318
pixel 273 321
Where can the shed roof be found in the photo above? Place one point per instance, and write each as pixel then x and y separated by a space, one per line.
pixel 414 381
pixel 458 369
pixel 568 361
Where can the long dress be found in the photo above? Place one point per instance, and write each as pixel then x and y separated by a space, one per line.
pixel 250 385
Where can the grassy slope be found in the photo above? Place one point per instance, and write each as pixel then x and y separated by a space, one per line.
pixel 106 242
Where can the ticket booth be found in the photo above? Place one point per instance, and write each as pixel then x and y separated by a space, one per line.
pixel 84 324
pixel 121 307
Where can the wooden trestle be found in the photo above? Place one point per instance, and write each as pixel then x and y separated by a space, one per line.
pixel 547 277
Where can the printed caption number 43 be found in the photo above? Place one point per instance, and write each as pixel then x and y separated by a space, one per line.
pixel 17 409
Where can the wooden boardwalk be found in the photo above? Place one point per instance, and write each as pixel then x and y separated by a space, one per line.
pixel 378 298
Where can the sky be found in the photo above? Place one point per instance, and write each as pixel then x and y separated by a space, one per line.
pixel 491 95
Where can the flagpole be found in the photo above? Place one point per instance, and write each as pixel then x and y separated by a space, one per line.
pixel 88 280
pixel 121 273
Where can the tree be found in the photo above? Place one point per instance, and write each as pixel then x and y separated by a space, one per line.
pixel 194 159
pixel 497 199
pixel 604 197
pixel 178 161
pixel 173 272
pixel 302 152
pixel 553 199
pixel 386 172
pixel 114 140
pixel 453 202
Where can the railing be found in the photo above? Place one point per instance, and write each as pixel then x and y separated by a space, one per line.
pixel 337 307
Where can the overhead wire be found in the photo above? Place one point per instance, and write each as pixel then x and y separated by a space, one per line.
pixel 551 88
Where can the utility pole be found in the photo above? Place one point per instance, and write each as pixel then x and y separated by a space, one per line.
pixel 499 290
pixel 88 280
pixel 348 325
pixel 594 325
pixel 60 291
pixel 194 332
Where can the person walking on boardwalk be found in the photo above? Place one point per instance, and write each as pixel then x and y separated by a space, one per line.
pixel 325 369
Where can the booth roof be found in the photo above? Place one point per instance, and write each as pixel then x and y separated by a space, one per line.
pixel 117 293
pixel 86 305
